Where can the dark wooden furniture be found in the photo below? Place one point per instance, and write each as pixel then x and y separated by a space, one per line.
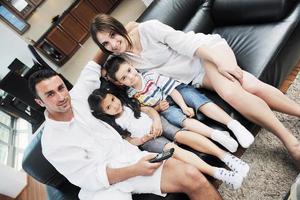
pixel 71 29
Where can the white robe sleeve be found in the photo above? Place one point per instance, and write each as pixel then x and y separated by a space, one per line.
pixel 88 80
pixel 183 43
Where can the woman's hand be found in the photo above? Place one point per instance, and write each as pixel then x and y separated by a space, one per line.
pixel 232 73
pixel 223 57
pixel 226 62
pixel 188 111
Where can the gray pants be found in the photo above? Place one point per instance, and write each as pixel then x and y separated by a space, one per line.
pixel 157 145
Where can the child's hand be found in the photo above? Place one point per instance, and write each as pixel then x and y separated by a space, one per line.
pixel 137 141
pixel 188 111
pixel 156 129
pixel 104 73
pixel 146 138
pixel 163 105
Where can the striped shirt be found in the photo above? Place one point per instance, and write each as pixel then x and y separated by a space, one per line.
pixel 155 88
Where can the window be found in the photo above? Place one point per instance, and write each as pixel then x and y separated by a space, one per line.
pixel 3 153
pixel 13 20
pixel 14 137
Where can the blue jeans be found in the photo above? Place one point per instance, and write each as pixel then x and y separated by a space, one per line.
pixel 192 97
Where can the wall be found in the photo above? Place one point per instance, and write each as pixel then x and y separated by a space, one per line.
pixel 12 46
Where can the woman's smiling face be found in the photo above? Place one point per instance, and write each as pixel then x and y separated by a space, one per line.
pixel 112 41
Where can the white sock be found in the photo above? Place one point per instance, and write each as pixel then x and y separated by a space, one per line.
pixel 236 164
pixel 230 178
pixel 244 137
pixel 225 140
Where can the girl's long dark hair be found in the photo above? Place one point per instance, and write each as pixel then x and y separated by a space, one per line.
pixel 96 98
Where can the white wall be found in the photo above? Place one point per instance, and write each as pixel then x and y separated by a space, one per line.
pixel 12 46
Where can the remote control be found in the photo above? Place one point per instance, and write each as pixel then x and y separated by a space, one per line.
pixel 163 155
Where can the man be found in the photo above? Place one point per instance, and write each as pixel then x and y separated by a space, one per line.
pixel 93 156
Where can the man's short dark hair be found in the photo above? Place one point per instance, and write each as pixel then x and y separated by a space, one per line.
pixel 37 77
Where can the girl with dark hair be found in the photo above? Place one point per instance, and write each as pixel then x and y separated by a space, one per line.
pixel 204 61
pixel 135 124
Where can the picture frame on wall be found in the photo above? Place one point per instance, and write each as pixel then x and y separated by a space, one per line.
pixel 14 21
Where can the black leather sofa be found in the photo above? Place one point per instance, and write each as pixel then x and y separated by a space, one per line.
pixel 265 36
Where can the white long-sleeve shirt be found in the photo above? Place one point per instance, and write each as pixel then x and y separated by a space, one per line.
pixel 170 52
pixel 82 148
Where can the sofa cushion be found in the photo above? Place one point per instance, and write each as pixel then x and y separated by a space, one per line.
pixel 257 46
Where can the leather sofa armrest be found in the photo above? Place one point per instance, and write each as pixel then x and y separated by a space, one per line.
pixel 233 12
pixel 66 192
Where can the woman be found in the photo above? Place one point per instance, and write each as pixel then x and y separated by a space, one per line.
pixel 203 60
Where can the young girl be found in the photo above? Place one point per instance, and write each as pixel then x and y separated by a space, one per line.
pixel 135 124
pixel 151 89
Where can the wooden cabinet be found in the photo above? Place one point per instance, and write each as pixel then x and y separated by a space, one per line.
pixel 71 30
pixel 84 13
pixel 62 41
pixel 72 27
pixel 102 6
pixel 36 2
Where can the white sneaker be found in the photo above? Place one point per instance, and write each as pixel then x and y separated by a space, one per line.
pixel 231 179
pixel 236 165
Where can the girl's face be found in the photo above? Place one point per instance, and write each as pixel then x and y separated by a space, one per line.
pixel 127 75
pixel 111 105
pixel 112 41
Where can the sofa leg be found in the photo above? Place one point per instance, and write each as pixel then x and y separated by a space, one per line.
pixel 291 77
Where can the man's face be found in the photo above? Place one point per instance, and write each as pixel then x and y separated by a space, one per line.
pixel 54 95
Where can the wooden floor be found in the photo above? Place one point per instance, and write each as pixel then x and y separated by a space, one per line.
pixel 33 191
pixel 286 84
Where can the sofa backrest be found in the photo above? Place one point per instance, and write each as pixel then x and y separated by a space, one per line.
pixel 204 15
pixel 235 12
pixel 177 15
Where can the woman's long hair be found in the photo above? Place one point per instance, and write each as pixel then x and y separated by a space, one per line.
pixel 96 98
pixel 106 23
